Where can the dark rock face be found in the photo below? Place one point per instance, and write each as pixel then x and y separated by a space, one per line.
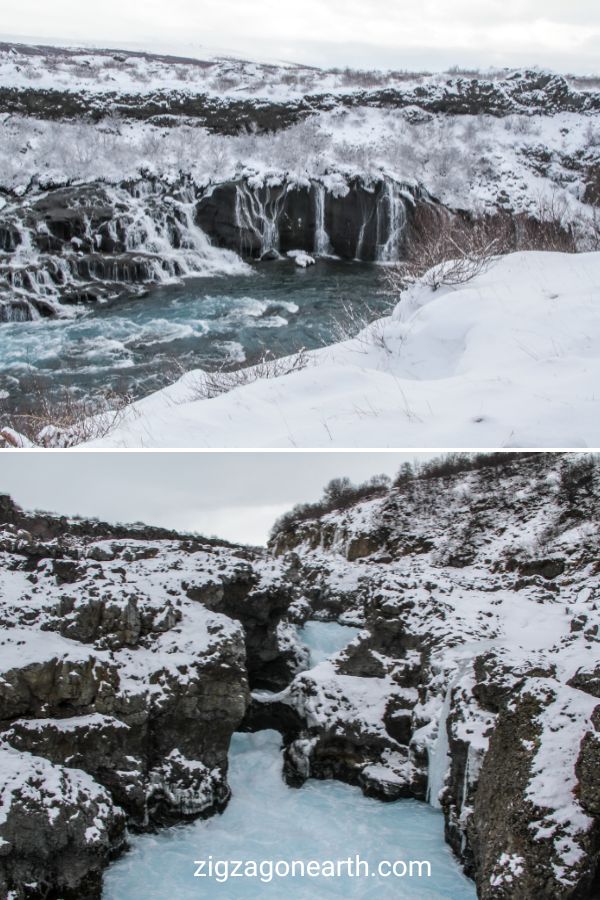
pixel 59 856
pixel 121 687
pixel 238 595
pixel 356 224
pixel 526 91
pixel 509 858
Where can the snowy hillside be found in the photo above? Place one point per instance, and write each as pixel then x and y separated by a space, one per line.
pixel 475 682
pixel 508 359
pixel 475 140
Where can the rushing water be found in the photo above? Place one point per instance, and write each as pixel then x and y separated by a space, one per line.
pixel 266 820
pixel 137 345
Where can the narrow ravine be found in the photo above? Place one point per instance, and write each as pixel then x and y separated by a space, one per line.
pixel 267 820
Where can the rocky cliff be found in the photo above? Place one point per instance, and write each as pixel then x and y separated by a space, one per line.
pixel 126 659
pixel 475 681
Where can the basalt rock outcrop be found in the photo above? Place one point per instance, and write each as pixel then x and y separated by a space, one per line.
pixel 521 91
pixel 475 681
pixel 97 242
pixel 356 220
pixel 121 685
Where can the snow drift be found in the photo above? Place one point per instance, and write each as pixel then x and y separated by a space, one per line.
pixel 510 359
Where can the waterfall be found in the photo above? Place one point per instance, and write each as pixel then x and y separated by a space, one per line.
pixel 439 755
pixel 361 239
pixel 151 236
pixel 260 218
pixel 391 223
pixel 322 242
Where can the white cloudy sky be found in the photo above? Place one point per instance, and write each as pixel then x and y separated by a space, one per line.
pixel 561 34
pixel 237 496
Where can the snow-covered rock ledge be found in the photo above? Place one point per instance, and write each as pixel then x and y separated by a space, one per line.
pixel 475 683
pixel 126 657
pixel 508 359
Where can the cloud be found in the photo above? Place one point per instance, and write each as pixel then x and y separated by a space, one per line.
pixel 341 32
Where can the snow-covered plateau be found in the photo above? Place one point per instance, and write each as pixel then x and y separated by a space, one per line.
pixel 510 359
pixel 130 655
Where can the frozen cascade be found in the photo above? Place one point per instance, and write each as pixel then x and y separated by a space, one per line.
pixel 260 217
pixel 391 223
pixel 361 241
pixel 322 242
pixel 267 820
pixel 323 639
pixel 439 755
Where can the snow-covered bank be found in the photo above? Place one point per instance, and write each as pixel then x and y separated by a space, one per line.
pixel 510 359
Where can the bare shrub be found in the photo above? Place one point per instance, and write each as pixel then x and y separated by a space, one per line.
pixel 62 420
pixel 549 227
pixel 362 78
pixel 592 135
pixel 228 377
pixel 445 250
pixel 365 322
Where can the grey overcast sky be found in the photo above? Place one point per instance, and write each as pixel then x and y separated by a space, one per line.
pixel 402 34
pixel 236 496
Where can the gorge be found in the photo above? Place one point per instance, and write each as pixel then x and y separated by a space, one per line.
pixel 131 655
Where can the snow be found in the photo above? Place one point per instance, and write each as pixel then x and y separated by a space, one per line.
pixel 21 647
pixel 464 613
pixel 301 258
pixel 564 722
pixel 49 788
pixel 507 360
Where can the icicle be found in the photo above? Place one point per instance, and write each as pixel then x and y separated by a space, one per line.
pixel 439 755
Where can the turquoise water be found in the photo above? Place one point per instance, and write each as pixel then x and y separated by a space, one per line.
pixel 325 638
pixel 138 345
pixel 268 821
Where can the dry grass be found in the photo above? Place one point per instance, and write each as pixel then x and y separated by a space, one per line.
pixel 64 420
pixel 226 378
pixel 449 250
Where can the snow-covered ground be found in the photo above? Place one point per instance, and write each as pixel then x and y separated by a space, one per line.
pixel 210 71
pixel 510 359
